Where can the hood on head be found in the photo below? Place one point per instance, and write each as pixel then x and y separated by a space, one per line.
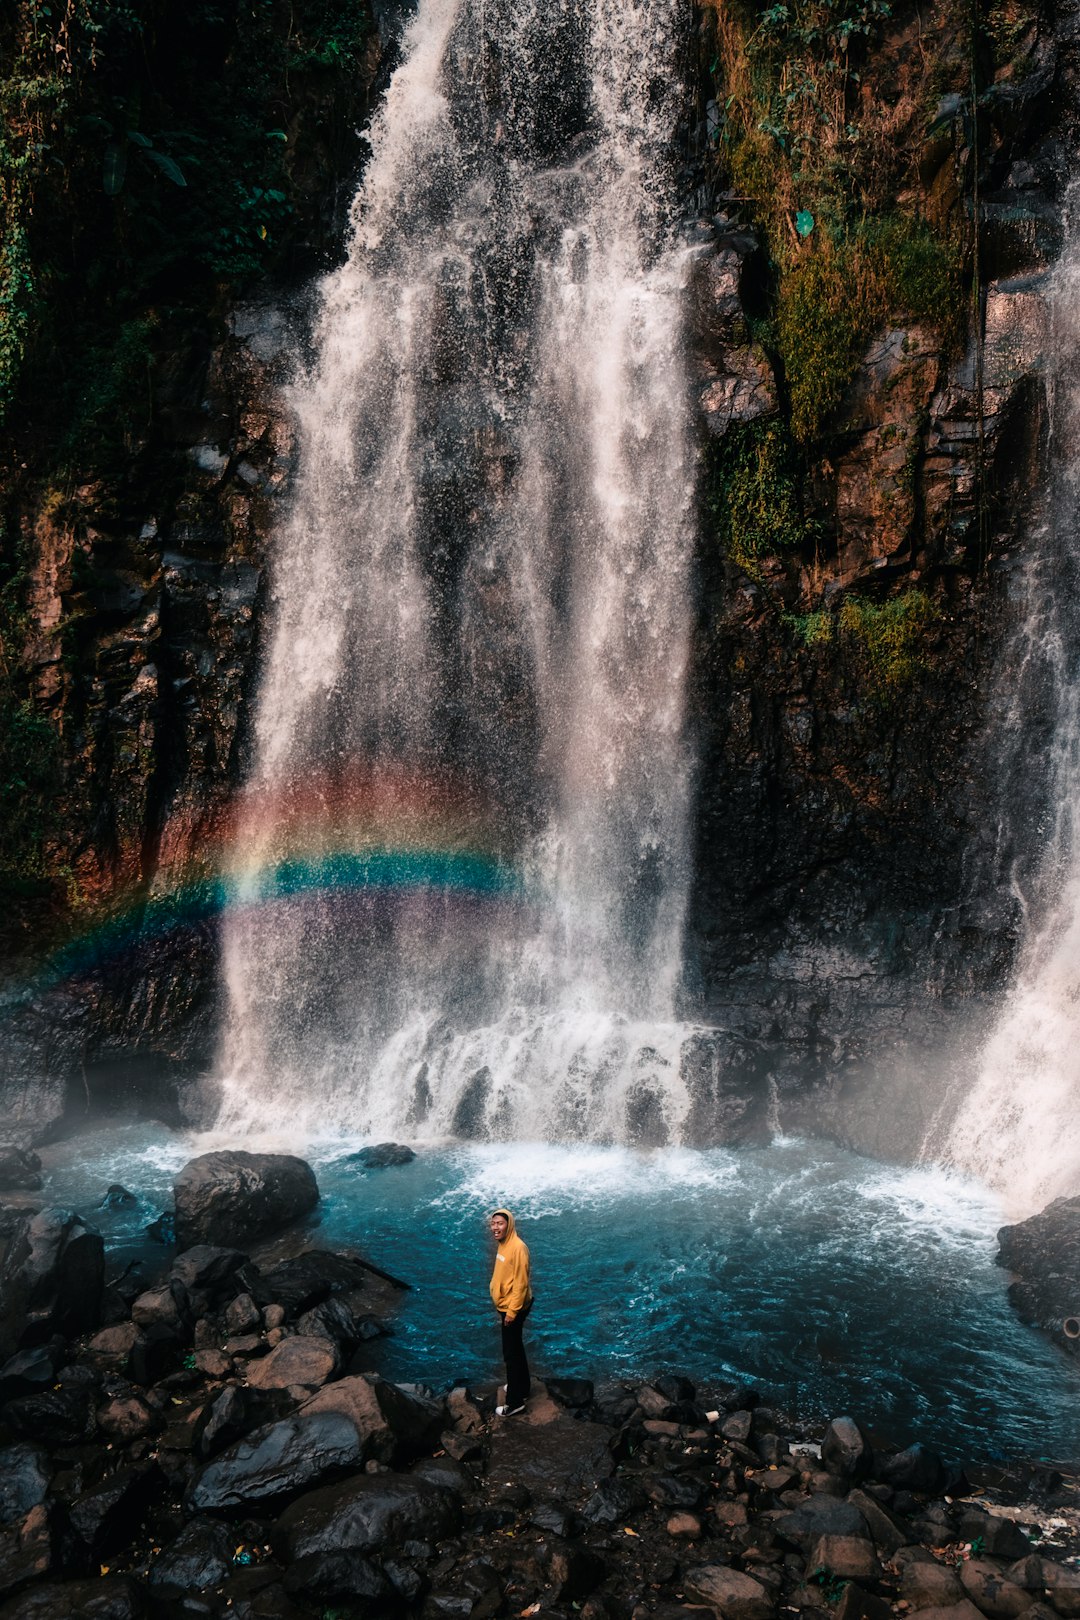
pixel 509 1222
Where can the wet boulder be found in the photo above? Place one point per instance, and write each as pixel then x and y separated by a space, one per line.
pixel 56 1417
pixel 991 1591
pixel 340 1577
pixel 276 1461
pixel 392 1424
pixel 308 1279
pixel 224 1198
pixel 299 1360
pixel 1061 1585
pixel 382 1156
pixel 729 1592
pixel 916 1468
pixel 199 1558
pixel 107 1517
pixel 25 1472
pixel 850 1558
pixel 366 1514
pixel 820 1516
pixel 208 1269
pixel 846 1450
pixel 1043 1253
pixel 28 1372
pixel 52 1280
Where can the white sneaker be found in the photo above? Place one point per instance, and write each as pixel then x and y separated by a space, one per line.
pixel 508 1411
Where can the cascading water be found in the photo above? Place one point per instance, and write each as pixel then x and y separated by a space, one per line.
pixel 460 870
pixel 1018 1126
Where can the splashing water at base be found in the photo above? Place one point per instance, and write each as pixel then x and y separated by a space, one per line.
pixel 833 1283
pixel 1017 1127
pixel 480 613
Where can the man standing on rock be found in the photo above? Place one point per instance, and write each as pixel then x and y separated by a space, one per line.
pixel 512 1297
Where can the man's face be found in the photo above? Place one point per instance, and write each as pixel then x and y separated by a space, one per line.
pixel 499 1227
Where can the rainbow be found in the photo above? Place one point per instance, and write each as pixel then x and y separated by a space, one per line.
pixel 381 836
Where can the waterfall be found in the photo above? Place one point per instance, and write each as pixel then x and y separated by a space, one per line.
pixel 460 867
pixel 1017 1126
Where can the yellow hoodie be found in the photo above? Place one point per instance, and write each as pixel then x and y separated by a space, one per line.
pixel 510 1290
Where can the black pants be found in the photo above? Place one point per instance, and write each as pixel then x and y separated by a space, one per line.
pixel 518 1383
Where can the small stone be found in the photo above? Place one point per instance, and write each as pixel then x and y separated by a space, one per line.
pixel 737 1427
pixel 846 1450
pixel 686 1525
pixel 273 1317
pixel 110 1350
pixel 125 1418
pixel 730 1514
pixel 245 1344
pixel 213 1363
pixel 242 1315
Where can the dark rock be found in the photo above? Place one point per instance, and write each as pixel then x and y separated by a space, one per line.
pixel 167 1306
pixel 573 1392
pixel 207 1269
pixel 125 1418
pixel 29 1371
pixel 445 1474
pixel 1060 1584
pixel 222 1420
pixel 849 1558
pixel 558 1456
pixel 915 1469
pixel 673 1490
pixel 737 1426
pixel 222 1198
pixel 928 1584
pixel 846 1450
pixel 242 1315
pixel 19 1169
pixel 737 1398
pixel 118 1197
pixel 1001 1537
pixel 382 1156
pixel 887 1531
pixel 200 1557
pixel 612 1502
pixel 729 1592
pixel 308 1279
pixel 573 1571
pixel 392 1424
pixel 29 1550
pixel 277 1461
pixel 296 1360
pixel 107 1517
pixel 990 1591
pixel 461 1446
pixel 155 1354
pixel 56 1417
pixel 52 1280
pixel 114 1597
pixel 341 1577
pixel 858 1604
pixel 820 1516
pixel 25 1472
pixel 162 1229
pixel 675 1387
pixel 366 1514
pixel 110 1350
pixel 553 1518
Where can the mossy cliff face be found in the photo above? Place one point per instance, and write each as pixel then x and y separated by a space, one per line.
pixel 874 196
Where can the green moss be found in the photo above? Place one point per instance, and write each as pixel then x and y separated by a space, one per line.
pixel 752 492
pixel 30 764
pixel 888 638
pixel 830 304
pixel 111 397
pixel 811 629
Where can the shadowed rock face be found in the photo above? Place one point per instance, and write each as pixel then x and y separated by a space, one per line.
pixel 1044 1254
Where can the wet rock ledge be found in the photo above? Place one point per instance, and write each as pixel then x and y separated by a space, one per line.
pixel 218 1444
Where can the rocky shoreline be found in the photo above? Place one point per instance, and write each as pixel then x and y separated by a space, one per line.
pixel 220 1443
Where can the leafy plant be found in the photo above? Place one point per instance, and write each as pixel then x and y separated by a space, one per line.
pixel 888 637
pixel 752 492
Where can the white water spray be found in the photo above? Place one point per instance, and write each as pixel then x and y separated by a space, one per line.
pixel 461 866
pixel 1018 1127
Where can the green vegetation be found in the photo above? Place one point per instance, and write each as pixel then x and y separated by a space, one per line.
pixel 153 159
pixel 830 304
pixel 29 759
pixel 752 492
pixel 886 639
